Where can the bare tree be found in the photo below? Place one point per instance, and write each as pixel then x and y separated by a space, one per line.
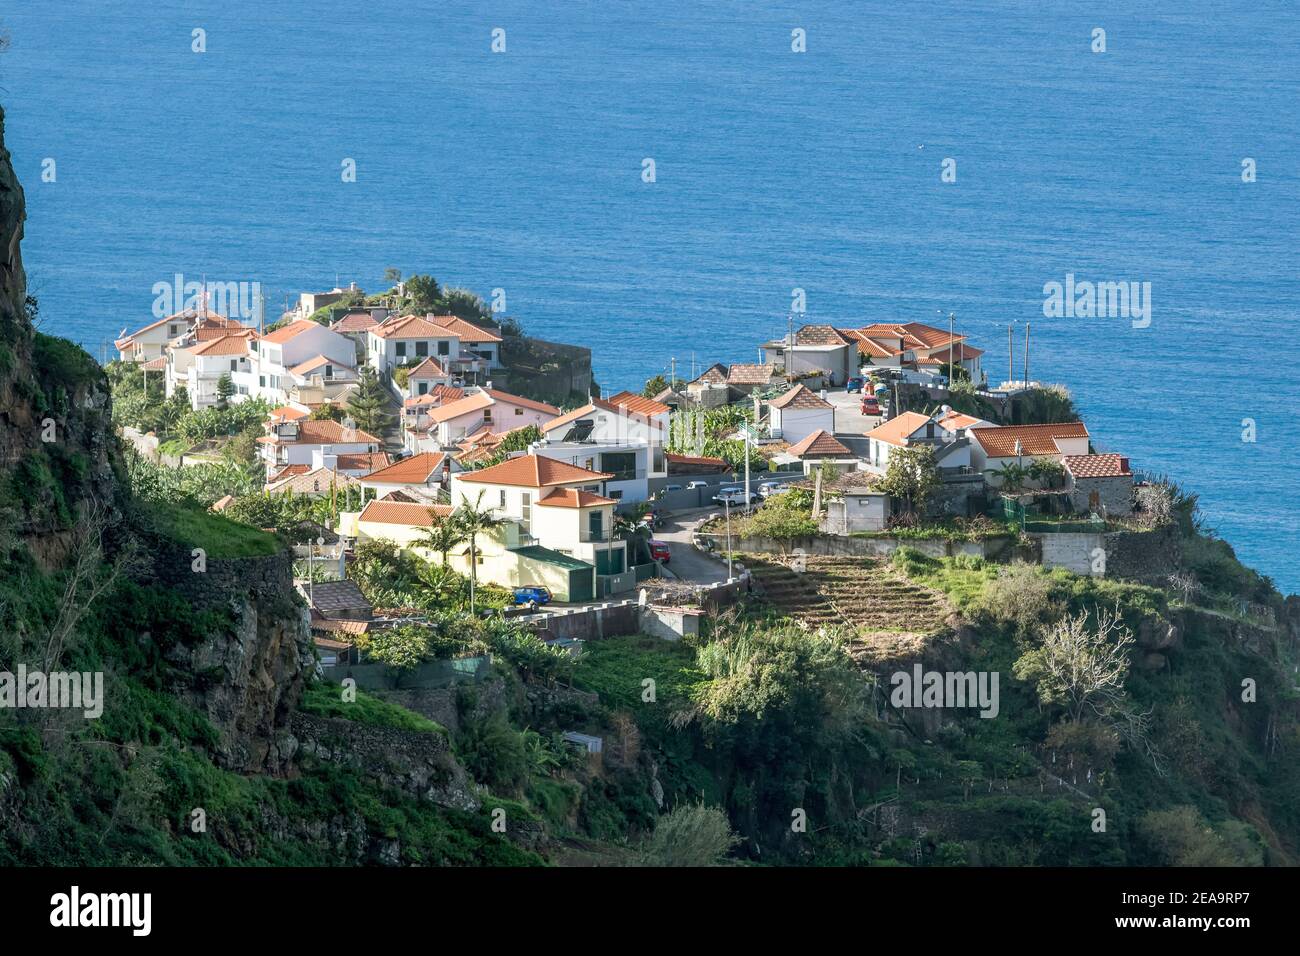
pixel 88 579
pixel 1079 666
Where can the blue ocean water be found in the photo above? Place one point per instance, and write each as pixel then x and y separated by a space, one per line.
pixel 522 171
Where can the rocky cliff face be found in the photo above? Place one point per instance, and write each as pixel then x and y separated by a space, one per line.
pixel 61 472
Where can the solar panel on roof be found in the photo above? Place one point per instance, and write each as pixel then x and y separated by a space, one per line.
pixel 581 431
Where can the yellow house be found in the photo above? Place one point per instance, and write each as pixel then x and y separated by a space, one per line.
pixel 558 527
pixel 396 521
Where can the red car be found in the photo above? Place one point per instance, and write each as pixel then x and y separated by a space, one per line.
pixel 659 551
pixel 870 406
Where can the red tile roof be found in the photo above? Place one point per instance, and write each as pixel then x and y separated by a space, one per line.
pixel 401 513
pixel 355 322
pixel 819 335
pixel 226 345
pixel 429 368
pixel 318 481
pixel 286 333
pixel 325 431
pixel 820 443
pixel 896 429
pixel 1000 442
pixel 188 316
pixel 508 399
pixel 1097 466
pixel 801 396
pixel 409 471
pixel 750 374
pixel 363 461
pixel 638 403
pixel 286 413
pixel 574 498
pixel 318 361
pixel 533 471
pixel 695 460
pixel 465 331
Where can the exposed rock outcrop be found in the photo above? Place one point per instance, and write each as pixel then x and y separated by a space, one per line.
pixel 415 762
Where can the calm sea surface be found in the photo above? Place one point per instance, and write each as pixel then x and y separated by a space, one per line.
pixel 775 170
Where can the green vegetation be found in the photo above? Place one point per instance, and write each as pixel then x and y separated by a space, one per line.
pixel 217 536
pixel 326 700
pixel 368 405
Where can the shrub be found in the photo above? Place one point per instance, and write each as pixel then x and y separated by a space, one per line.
pixel 691 835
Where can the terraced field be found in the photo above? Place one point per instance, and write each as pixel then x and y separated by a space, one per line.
pixel 890 616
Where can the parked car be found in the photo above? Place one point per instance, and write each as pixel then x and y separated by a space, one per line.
pixel 854 384
pixel 533 595
pixel 769 488
pixel 692 485
pixel 672 487
pixel 870 406
pixel 736 497
pixel 650 519
pixel 659 551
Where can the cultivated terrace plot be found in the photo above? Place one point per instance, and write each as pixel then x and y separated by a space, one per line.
pixel 890 617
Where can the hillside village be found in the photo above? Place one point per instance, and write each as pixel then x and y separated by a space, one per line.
pixel 485 590
pixel 372 424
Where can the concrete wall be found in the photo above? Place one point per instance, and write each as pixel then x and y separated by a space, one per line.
pixel 1135 555
pixel 993 549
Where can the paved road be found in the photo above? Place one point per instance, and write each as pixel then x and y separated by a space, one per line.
pixel 687 563
pixel 849 419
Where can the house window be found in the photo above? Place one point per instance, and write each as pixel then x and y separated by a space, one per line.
pixel 503 497
pixel 401 350
pixel 423 387
pixel 595 524
pixel 659 459
pixel 261 381
pixel 526 511
pixel 616 494
pixel 175 330
pixel 421 349
pixel 234 365
pixel 487 415
pixel 444 348
pixel 329 371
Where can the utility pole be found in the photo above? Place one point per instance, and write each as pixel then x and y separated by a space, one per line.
pixel 1011 356
pixel 1026 355
pixel 726 504
pixel 747 499
pixel 672 375
pixel 952 343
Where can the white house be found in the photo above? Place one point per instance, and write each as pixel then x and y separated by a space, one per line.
pixel 624 435
pixel 798 413
pixel 911 429
pixel 299 354
pixel 459 346
pixel 151 341
pixel 815 348
pixel 308 442
pixel 424 473
pixel 199 368
pixel 484 408
pixel 993 448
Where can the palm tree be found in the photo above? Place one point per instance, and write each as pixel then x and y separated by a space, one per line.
pixel 443 534
pixel 474 520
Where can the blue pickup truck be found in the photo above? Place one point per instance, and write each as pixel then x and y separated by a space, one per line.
pixel 534 595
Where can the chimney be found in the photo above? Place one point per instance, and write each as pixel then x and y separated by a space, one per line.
pixel 1123 464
